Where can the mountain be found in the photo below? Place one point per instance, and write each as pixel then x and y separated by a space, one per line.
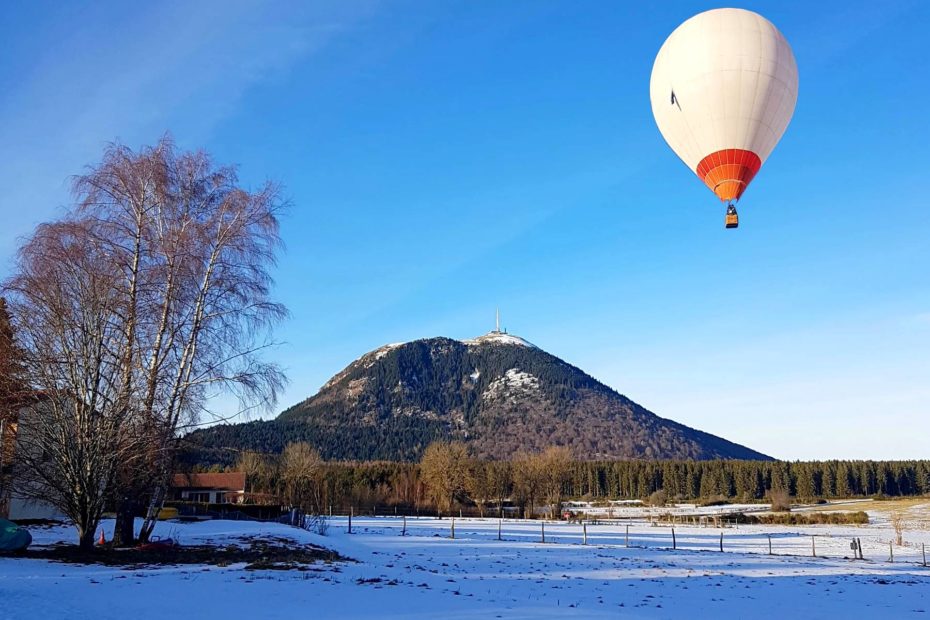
pixel 499 393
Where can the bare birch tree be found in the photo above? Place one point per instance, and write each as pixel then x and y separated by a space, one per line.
pixel 66 305
pixel 166 274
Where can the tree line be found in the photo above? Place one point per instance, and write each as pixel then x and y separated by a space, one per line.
pixel 447 479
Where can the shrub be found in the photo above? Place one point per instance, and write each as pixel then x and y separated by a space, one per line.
pixel 659 498
pixel 781 501
pixel 899 524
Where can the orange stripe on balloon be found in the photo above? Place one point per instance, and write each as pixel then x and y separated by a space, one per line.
pixel 728 172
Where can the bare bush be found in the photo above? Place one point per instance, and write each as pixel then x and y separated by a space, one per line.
pixel 780 500
pixel 716 500
pixel 899 524
pixel 658 498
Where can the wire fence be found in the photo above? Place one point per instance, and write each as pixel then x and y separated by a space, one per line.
pixel 747 539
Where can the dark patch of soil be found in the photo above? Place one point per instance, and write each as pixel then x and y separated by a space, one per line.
pixel 258 554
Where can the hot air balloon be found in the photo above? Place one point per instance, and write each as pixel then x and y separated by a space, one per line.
pixel 723 89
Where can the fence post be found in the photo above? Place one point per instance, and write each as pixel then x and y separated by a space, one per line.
pixel 627 534
pixel 453 528
pixel 351 512
pixel 891 552
pixel 770 543
pixel 543 525
pixel 923 550
pixel 859 544
pixel 674 543
pixel 813 547
pixel 721 542
pixel 404 531
pixel 584 534
pixel 500 525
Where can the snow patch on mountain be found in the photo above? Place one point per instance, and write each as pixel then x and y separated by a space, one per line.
pixel 514 381
pixel 500 338
pixel 379 353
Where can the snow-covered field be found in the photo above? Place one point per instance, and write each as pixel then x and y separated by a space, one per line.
pixel 427 575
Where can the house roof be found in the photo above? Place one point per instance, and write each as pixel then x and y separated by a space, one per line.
pixel 230 481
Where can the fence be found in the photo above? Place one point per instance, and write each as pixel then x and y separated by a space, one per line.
pixel 405 510
pixel 642 535
pixel 234 512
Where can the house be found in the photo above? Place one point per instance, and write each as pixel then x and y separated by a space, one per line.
pixel 223 488
pixel 7 447
pixel 12 505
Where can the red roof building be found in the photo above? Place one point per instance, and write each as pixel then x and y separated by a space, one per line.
pixel 209 488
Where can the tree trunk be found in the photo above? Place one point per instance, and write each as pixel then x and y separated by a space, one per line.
pixel 151 515
pixel 86 537
pixel 123 531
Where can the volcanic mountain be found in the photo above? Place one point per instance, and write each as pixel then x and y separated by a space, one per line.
pixel 498 393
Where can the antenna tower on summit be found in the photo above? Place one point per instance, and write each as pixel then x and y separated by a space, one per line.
pixel 498 330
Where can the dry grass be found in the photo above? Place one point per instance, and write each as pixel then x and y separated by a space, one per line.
pixel 915 511
pixel 879 505
pixel 814 518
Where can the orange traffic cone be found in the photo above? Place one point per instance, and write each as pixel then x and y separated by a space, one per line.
pixel 102 540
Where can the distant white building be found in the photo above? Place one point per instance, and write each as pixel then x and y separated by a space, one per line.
pixel 12 506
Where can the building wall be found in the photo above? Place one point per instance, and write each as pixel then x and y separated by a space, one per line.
pixel 12 506
pixel 26 509
pixel 7 447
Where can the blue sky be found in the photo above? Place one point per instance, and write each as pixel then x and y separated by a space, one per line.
pixel 446 158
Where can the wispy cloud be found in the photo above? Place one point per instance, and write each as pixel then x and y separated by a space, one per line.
pixel 131 76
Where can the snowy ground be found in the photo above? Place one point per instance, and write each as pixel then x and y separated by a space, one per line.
pixel 425 574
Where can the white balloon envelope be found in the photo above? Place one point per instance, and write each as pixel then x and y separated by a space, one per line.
pixel 723 89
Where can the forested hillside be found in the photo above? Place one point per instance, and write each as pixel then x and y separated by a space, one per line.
pixel 498 393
